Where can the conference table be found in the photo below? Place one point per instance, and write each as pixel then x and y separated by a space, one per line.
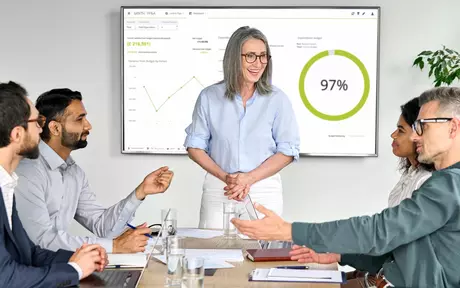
pixel 154 274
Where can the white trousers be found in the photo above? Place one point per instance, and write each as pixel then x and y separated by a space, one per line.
pixel 268 192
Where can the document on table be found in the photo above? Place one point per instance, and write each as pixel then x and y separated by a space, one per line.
pixel 149 246
pixel 199 233
pixel 297 275
pixel 230 255
pixel 208 263
pixel 213 258
pixel 127 260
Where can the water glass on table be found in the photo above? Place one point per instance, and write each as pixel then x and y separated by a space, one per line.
pixel 170 222
pixel 193 272
pixel 170 225
pixel 230 212
pixel 175 252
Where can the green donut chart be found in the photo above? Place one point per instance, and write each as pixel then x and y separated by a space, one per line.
pixel 303 94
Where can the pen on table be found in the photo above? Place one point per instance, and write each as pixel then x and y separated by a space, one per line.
pixel 293 267
pixel 132 227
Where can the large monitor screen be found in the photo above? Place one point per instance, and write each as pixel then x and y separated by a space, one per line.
pixel 324 59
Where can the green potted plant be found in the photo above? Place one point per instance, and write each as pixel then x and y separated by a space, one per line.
pixel 444 65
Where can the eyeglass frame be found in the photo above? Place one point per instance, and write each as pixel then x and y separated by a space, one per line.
pixel 257 57
pixel 428 120
pixel 41 121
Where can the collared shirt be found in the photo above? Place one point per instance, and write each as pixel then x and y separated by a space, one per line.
pixel 421 234
pixel 8 183
pixel 51 192
pixel 239 139
pixel 410 181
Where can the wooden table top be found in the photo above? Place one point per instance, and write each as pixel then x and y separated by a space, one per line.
pixel 154 274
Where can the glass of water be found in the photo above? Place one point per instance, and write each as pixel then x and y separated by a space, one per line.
pixel 175 252
pixel 170 225
pixel 193 273
pixel 229 214
pixel 171 221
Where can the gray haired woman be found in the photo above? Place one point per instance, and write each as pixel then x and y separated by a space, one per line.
pixel 243 131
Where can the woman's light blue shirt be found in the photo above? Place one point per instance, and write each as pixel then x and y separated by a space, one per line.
pixel 240 139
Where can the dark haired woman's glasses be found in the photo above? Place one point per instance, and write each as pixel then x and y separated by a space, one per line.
pixel 252 57
pixel 41 120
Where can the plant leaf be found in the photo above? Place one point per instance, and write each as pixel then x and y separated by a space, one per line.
pixel 417 61
pixel 444 70
pixel 437 71
pixel 425 53
pixel 431 71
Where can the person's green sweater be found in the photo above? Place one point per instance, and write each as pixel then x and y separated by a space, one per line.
pixel 416 242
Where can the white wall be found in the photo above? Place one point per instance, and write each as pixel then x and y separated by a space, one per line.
pixel 76 44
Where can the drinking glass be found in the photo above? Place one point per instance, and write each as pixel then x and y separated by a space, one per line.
pixel 193 273
pixel 229 214
pixel 175 252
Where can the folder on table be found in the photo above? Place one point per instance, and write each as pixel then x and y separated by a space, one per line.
pixel 262 255
pixel 296 275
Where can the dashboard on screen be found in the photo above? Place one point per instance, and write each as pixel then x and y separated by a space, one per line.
pixel 324 59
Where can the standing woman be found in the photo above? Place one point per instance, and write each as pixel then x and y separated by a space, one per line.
pixel 243 131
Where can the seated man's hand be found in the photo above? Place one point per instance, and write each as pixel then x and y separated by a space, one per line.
pixel 104 259
pixel 156 182
pixel 271 227
pixel 132 240
pixel 307 255
pixel 88 258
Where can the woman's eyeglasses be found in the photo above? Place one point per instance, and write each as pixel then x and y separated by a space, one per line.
pixel 252 57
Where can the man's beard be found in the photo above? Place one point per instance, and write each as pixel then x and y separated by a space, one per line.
pixel 425 159
pixel 73 140
pixel 29 149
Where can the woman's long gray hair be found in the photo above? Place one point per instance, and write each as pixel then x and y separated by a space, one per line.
pixel 233 75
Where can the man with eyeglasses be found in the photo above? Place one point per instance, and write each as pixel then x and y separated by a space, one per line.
pixel 22 264
pixel 53 190
pixel 414 244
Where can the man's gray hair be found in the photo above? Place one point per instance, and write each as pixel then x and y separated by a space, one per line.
pixel 448 98
pixel 233 73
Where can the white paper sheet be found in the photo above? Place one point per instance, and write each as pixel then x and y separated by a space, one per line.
pixel 296 275
pixel 199 233
pixel 230 255
pixel 208 263
pixel 127 260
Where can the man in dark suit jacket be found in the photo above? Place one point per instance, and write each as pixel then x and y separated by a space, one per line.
pixel 22 264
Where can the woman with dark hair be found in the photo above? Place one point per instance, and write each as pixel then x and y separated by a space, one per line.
pixel 414 174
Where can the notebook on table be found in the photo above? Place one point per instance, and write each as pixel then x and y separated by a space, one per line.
pixel 262 255
pixel 300 276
